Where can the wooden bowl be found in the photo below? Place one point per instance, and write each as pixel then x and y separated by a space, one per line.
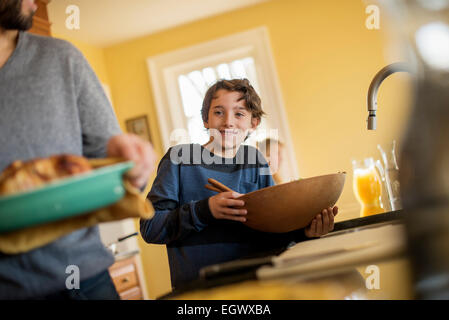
pixel 290 206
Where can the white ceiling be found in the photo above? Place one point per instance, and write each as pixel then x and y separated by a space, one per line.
pixel 107 22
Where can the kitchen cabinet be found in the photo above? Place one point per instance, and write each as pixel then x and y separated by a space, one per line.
pixel 125 276
pixel 41 24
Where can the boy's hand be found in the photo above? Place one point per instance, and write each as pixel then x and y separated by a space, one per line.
pixel 223 206
pixel 322 223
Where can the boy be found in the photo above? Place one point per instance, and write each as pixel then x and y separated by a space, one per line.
pixel 201 227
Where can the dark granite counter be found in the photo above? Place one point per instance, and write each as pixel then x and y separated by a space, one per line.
pixel 370 220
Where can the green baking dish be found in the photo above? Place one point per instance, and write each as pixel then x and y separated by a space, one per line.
pixel 63 199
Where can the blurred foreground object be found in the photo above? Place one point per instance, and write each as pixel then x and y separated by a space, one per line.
pixel 423 30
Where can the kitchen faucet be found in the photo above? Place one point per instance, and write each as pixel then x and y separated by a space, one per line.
pixel 374 88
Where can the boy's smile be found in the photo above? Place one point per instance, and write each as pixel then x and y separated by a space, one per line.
pixel 229 121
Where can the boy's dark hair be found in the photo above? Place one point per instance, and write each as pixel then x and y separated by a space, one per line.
pixel 252 99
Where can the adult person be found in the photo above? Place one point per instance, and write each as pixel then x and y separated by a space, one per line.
pixel 275 159
pixel 51 102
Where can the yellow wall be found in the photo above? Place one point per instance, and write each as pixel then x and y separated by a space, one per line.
pixel 325 58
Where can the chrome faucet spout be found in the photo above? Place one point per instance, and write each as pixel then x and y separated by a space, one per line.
pixel 374 88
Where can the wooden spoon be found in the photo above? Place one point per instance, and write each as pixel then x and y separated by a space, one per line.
pixel 211 187
pixel 218 185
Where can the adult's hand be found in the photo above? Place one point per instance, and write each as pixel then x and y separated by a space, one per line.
pixel 134 148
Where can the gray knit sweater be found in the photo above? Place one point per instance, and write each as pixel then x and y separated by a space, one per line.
pixel 51 102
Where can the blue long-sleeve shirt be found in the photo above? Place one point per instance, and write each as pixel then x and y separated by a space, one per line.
pixel 183 220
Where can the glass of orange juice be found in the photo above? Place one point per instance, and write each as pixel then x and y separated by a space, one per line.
pixel 367 186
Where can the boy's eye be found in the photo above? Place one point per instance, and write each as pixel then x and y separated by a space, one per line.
pixel 239 114
pixel 217 112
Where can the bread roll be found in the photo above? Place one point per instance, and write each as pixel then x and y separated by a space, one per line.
pixel 24 176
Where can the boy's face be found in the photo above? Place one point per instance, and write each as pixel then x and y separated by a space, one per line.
pixel 229 120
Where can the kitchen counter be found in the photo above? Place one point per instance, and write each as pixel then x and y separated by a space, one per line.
pixel 242 283
pixel 370 220
pixel 350 284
